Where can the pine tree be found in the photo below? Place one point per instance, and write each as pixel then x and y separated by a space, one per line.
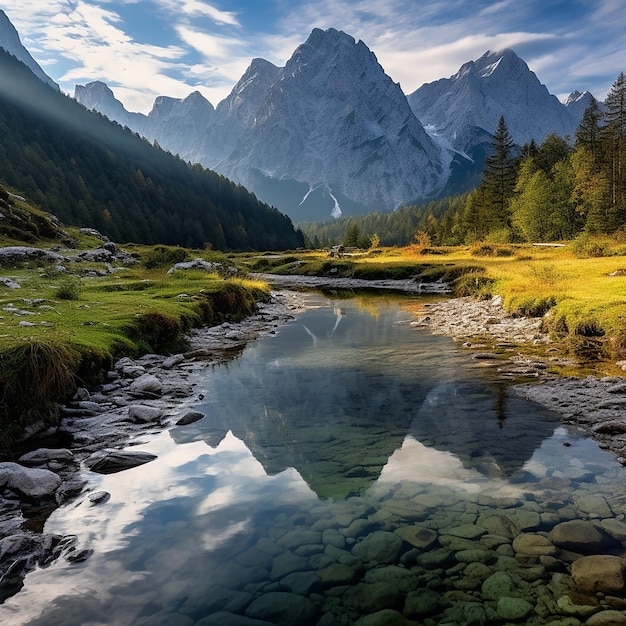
pixel 589 129
pixel 614 133
pixel 499 173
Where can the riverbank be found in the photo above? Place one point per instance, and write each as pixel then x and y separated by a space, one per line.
pixel 518 347
pixel 145 395
pixel 141 396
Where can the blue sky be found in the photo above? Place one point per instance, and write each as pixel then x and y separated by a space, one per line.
pixel 146 48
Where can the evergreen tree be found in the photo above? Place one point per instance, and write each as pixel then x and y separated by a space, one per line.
pixel 614 133
pixel 589 129
pixel 499 177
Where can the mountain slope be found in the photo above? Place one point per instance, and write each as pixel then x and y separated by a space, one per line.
pixel 90 171
pixel 336 122
pixel 10 42
pixel 329 132
pixel 464 110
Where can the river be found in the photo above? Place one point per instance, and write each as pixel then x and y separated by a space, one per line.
pixel 352 468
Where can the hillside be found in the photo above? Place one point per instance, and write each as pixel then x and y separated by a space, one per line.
pixel 90 171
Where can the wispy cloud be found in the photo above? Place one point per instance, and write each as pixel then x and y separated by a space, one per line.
pixel 207 44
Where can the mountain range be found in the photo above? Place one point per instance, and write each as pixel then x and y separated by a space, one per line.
pixel 89 171
pixel 330 133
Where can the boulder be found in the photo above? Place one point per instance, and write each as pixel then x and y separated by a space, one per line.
pixel 190 418
pixel 44 455
pixel 113 461
pixel 599 572
pixel 379 547
pixel 287 609
pixel 29 482
pixel 579 536
pixel 146 384
pixel 142 414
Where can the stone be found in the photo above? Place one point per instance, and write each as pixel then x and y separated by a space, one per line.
pixel 299 537
pixel 433 559
pixel 286 609
pixel 379 547
pixel 529 544
pixel 607 618
pixel 499 525
pixel 190 418
pixel 400 577
pixel 579 536
pixel 422 602
pixel 172 361
pixel 368 598
pixel 467 531
pixel 386 617
pixel 44 455
pixel 513 608
pixel 113 461
pixel 29 482
pixel 418 536
pixel 594 505
pixel 616 529
pixel 99 497
pixel 142 414
pixel 599 572
pixel 146 384
pixel 287 563
pixel 301 583
pixel 337 574
pixel 499 585
pixel 224 618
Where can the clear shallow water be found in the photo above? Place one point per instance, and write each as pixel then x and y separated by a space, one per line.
pixel 348 465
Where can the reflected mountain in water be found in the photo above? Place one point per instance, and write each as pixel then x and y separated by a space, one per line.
pixel 335 393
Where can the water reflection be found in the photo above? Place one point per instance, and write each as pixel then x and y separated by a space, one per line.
pixel 335 393
pixel 348 465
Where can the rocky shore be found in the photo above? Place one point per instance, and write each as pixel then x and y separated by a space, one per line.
pixel 141 396
pixel 145 395
pixel 595 404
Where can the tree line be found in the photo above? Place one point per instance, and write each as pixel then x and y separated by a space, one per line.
pixel 89 171
pixel 548 192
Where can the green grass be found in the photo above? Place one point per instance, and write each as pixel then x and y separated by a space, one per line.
pixel 62 330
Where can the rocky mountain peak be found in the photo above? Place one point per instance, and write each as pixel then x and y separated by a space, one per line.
pixel 10 41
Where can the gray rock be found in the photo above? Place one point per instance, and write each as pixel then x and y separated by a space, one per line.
pixel 368 598
pixel 514 608
pixel 44 455
pixel 99 497
pixel 172 361
pixel 579 536
pixel 16 254
pixel 111 462
pixel 224 618
pixel 8 283
pixel 146 383
pixel 29 482
pixel 379 547
pixel 418 536
pixel 286 609
pixel 190 418
pixel 196 264
pixel 142 414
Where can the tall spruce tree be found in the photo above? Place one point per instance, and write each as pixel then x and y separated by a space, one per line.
pixel 493 196
pixel 614 134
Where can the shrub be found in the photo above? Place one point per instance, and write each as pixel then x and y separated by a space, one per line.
pixel 163 257
pixel 69 289
pixel 585 246
pixel 34 374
